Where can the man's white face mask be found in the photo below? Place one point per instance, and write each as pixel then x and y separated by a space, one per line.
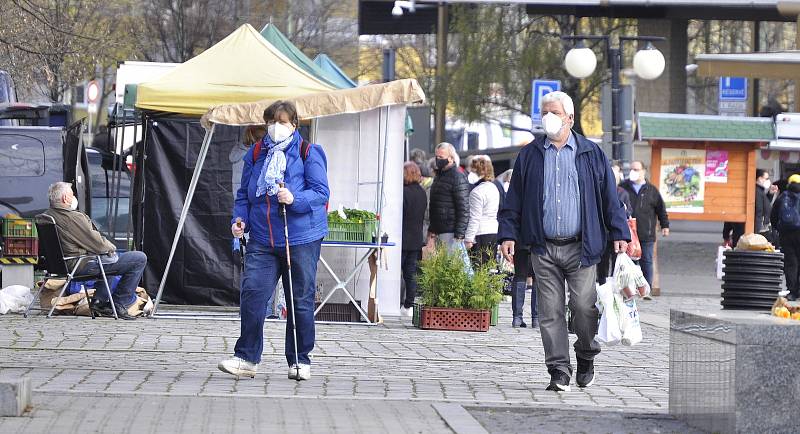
pixel 634 175
pixel 552 125
pixel 73 205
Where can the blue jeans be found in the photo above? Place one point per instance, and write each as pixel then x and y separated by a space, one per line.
pixel 130 266
pixel 263 268
pixel 647 260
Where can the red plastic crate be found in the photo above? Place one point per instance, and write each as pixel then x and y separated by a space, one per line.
pixel 439 318
pixel 21 247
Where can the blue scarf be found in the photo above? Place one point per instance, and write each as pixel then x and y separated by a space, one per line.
pixel 274 165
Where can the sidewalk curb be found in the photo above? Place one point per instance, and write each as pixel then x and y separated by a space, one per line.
pixel 459 419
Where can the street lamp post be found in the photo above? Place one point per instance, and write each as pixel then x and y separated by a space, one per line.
pixel 648 63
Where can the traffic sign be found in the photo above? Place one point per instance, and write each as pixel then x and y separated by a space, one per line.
pixel 732 89
pixel 92 91
pixel 541 88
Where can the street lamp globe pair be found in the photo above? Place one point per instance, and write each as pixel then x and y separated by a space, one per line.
pixel 648 63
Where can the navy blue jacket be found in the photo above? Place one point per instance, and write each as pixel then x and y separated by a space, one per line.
pixel 308 182
pixel 521 218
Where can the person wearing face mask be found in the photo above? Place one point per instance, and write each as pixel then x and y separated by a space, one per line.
pixel 449 199
pixel 562 203
pixel 79 236
pixel 648 208
pixel 280 170
pixel 765 192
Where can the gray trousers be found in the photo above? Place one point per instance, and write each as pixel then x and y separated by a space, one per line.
pixel 560 264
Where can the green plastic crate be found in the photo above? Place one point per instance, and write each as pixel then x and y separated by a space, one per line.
pixel 19 228
pixel 352 231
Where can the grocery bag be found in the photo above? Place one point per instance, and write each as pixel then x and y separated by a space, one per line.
pixel 720 258
pixel 15 298
pixel 631 328
pixel 634 249
pixel 461 250
pixel 608 331
pixel 628 278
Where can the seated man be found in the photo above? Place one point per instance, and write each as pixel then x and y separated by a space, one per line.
pixel 79 236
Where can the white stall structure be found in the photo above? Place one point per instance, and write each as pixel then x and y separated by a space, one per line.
pixel 362 131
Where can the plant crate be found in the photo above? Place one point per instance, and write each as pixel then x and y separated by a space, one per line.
pixel 440 318
pixel 21 247
pixel 352 231
pixel 338 312
pixel 19 228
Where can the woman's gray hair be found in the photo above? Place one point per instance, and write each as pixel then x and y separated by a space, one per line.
pixel 558 96
pixel 57 191
pixel 450 150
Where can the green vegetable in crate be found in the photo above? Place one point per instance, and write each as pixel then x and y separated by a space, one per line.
pixel 352 215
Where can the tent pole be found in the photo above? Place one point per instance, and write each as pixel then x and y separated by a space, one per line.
pixel 201 158
pixel 382 176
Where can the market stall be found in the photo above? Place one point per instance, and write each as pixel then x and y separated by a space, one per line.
pixel 361 131
pixel 704 166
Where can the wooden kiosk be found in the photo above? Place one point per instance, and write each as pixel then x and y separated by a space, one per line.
pixel 705 166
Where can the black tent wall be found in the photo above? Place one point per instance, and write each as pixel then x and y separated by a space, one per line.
pixel 204 270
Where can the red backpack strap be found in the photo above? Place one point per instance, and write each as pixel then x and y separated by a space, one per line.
pixel 256 151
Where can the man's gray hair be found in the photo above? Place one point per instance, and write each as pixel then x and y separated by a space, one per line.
pixel 57 191
pixel 558 96
pixel 451 150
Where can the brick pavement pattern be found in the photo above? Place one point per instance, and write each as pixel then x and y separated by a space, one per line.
pixel 392 371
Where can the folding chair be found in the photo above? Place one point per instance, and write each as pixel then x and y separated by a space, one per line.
pixel 56 262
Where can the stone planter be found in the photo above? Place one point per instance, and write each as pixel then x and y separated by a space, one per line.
pixel 440 318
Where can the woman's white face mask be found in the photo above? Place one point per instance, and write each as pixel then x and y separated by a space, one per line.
pixel 473 177
pixel 279 132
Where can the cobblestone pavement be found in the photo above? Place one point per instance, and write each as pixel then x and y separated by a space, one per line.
pixel 394 363
pixel 157 374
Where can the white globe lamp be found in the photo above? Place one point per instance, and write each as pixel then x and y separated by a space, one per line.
pixel 580 62
pixel 648 63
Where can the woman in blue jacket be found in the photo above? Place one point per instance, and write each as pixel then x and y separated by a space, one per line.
pixel 281 157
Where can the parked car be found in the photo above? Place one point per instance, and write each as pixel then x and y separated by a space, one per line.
pixel 103 209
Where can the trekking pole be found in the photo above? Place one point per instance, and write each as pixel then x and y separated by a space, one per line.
pixel 291 289
pixel 242 242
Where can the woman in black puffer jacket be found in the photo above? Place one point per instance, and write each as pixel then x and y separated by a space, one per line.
pixel 449 203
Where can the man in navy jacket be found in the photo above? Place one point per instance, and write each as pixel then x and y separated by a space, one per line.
pixel 562 202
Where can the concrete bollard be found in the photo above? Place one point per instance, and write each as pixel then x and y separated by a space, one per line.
pixel 15 396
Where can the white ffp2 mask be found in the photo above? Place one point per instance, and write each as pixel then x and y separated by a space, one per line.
pixel 552 125
pixel 279 132
pixel 73 205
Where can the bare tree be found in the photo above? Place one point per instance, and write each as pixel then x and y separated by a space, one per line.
pixel 177 30
pixel 50 45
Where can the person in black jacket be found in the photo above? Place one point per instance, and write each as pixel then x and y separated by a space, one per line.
pixel 449 200
pixel 765 192
pixel 415 201
pixel 648 205
pixel 609 259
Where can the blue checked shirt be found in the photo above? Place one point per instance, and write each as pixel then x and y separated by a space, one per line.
pixel 562 210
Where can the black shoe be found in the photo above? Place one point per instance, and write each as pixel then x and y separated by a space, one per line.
pixel 534 323
pixel 585 376
pixel 791 297
pixel 559 381
pixel 518 322
pixel 103 309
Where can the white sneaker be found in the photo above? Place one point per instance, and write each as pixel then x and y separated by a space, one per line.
pixel 303 374
pixel 238 367
pixel 407 311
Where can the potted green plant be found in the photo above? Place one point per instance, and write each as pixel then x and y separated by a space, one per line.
pixel 455 296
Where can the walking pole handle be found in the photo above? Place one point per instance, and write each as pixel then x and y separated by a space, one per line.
pixel 283 205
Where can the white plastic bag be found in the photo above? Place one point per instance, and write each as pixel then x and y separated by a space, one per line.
pixel 14 298
pixel 720 257
pixel 608 332
pixel 631 328
pixel 628 278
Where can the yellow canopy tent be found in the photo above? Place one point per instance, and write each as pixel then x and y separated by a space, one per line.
pixel 243 67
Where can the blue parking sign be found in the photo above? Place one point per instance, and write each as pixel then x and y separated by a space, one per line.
pixel 540 89
pixel 732 89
